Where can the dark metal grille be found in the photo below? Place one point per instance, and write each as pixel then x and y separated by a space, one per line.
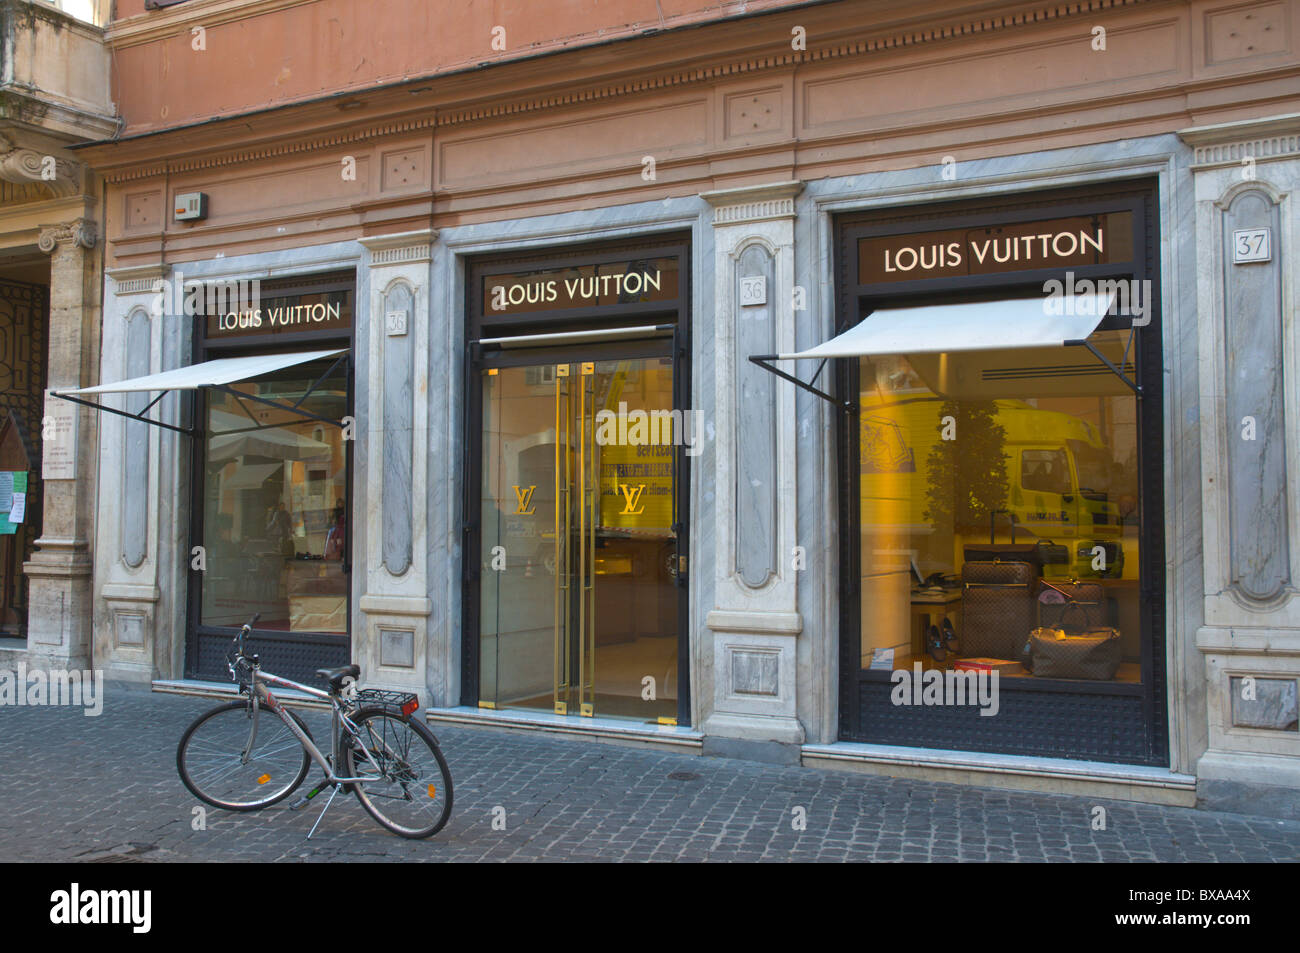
pixel 1087 727
pixel 289 655
pixel 24 310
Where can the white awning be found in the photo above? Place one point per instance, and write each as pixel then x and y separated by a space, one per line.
pixel 973 326
pixel 227 370
pixel 250 476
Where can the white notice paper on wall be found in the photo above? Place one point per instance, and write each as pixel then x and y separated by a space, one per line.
pixel 19 509
pixel 59 439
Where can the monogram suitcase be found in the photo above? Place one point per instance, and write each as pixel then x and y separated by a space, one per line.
pixel 1070 606
pixel 997 608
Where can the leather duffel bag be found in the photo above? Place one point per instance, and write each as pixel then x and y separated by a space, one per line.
pixel 1094 654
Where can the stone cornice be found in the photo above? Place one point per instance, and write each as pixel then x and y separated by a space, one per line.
pixel 160 24
pixel 401 248
pixel 137 279
pixel 1227 144
pixel 753 203
pixel 114 159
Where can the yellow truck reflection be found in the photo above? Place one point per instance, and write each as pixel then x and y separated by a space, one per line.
pixel 1061 485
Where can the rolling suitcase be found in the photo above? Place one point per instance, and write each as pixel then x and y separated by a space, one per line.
pixel 997 608
pixel 1070 606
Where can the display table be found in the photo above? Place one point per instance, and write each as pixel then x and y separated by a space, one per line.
pixel 929 606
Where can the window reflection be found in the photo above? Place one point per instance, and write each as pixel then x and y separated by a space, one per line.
pixel 999 498
pixel 275 516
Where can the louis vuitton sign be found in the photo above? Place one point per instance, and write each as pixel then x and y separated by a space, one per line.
pixel 997 249
pixel 588 286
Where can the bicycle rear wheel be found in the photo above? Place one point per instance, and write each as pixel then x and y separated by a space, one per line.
pixel 407 786
pixel 211 763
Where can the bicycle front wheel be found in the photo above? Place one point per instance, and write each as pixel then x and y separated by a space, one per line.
pixel 406 786
pixel 214 764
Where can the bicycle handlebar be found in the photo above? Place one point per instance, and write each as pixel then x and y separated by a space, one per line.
pixel 238 643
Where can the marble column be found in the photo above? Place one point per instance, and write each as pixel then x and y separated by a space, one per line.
pixel 1246 176
pixel 391 643
pixel 755 621
pixel 59 572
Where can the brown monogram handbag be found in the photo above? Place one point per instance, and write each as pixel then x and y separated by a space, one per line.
pixel 1094 654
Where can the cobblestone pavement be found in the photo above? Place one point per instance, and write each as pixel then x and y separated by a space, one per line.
pixel 79 788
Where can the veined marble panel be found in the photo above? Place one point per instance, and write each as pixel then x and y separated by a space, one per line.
pixel 398 431
pixel 1256 414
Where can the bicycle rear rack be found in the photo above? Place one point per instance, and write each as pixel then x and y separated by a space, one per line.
pixel 405 702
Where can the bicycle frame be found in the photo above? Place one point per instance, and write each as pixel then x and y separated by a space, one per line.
pixel 260 695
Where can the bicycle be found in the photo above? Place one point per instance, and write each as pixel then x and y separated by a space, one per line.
pixel 391 763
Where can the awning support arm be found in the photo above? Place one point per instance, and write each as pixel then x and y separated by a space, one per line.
pixel 1136 388
pixel 328 371
pixel 762 361
pixel 820 367
pixel 189 432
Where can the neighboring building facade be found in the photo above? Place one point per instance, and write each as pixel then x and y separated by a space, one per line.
pixel 54 93
pixel 516 455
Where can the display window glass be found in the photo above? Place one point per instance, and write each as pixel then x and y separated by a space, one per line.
pixel 275 520
pixel 1000 523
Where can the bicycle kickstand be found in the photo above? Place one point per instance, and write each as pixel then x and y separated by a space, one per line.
pixel 333 795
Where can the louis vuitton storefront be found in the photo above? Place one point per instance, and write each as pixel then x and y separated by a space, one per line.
pixel 1001 464
pixel 577 462
pixel 1016 351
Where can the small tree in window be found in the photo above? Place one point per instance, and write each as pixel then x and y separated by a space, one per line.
pixel 967 476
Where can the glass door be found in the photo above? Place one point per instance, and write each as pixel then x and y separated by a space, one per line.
pixel 579 560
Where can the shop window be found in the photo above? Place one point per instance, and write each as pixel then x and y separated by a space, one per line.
pixel 999 498
pixel 274 510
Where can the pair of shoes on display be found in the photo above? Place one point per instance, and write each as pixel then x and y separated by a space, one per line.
pixel 940 642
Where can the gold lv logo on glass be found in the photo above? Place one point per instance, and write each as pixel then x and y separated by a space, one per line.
pixel 524 499
pixel 632 499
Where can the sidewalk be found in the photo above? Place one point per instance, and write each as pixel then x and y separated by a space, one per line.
pixel 105 788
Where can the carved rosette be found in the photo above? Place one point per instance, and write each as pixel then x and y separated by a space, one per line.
pixel 79 232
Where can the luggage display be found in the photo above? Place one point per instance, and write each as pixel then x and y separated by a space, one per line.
pixel 1094 654
pixel 1005 552
pixel 997 607
pixel 1071 606
pixel 1042 554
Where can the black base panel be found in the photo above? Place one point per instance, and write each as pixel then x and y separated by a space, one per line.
pixel 1078 726
pixel 295 658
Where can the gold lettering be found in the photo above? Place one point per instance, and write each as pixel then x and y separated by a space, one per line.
pixel 524 499
pixel 632 499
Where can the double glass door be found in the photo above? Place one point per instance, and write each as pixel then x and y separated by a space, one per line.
pixel 579 561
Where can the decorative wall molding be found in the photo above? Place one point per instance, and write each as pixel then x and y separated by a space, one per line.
pixel 755 203
pixel 137 279
pixel 24 166
pixel 81 232
pixel 439 116
pixel 1227 144
pixel 402 248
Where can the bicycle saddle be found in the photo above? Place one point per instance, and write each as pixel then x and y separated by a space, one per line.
pixel 336 675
